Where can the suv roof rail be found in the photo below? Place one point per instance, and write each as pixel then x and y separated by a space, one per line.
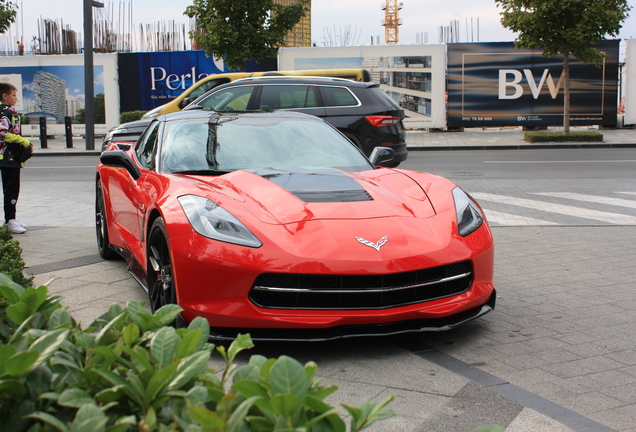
pixel 298 77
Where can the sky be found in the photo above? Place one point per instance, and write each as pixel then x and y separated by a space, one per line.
pixel 357 21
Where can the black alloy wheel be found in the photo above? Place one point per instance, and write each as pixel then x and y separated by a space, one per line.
pixel 101 227
pixel 161 287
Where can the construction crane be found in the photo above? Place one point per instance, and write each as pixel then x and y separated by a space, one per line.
pixel 391 21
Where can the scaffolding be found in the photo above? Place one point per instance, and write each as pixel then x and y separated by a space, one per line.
pixel 391 21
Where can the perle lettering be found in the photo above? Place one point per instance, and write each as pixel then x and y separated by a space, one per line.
pixel 173 81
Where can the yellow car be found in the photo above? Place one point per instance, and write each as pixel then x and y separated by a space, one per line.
pixel 211 81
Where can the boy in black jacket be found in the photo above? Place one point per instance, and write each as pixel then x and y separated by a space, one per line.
pixel 14 150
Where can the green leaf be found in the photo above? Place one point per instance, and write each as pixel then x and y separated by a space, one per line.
pixel 12 388
pixel 242 342
pixel 311 368
pixel 168 313
pixel 110 326
pixel 201 323
pixel 285 405
pixel 322 393
pixel 131 334
pixel 189 367
pixel 50 420
pixel 18 312
pixel 140 355
pixel 493 428
pixel 151 418
pixel 89 418
pixel 163 346
pixel 48 344
pixel 6 281
pixel 288 376
pixel 248 388
pixel 159 381
pixel 75 398
pixel 9 293
pixel 20 364
pixel 237 418
pixel 59 318
pixel 189 344
pixel 34 297
pixel 6 351
pixel 210 420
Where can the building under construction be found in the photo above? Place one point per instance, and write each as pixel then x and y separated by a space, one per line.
pixel 300 35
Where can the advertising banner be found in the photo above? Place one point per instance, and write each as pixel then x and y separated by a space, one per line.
pixel 148 80
pixel 412 75
pixel 496 84
pixel 52 86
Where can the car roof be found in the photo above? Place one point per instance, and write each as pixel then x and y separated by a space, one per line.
pixel 299 80
pixel 198 114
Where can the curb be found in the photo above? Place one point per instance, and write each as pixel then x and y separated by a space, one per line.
pixel 554 146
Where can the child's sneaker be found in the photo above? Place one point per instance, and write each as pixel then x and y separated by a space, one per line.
pixel 15 227
pixel 20 223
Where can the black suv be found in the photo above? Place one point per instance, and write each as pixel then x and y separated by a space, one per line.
pixel 360 110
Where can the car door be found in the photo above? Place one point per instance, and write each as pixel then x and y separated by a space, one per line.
pixel 294 97
pixel 129 198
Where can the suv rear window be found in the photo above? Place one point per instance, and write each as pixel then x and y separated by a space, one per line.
pixel 338 96
pixel 386 97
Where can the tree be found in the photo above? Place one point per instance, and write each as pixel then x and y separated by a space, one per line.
pixel 236 31
pixel 565 27
pixel 8 11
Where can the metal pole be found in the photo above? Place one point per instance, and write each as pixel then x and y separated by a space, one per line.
pixel 68 130
pixel 43 137
pixel 89 90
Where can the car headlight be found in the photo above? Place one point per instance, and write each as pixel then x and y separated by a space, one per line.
pixel 211 220
pixel 469 216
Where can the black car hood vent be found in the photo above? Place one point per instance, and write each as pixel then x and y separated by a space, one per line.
pixel 332 186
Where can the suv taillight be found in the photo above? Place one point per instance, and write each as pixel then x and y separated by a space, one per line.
pixel 377 121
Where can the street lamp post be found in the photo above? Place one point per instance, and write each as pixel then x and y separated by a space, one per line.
pixel 89 108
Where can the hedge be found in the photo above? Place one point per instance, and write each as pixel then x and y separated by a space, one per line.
pixel 534 137
pixel 11 262
pixel 130 116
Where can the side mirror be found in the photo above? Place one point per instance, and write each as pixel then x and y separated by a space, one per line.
pixel 381 155
pixel 120 159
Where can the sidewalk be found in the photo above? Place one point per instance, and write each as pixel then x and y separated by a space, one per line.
pixel 507 138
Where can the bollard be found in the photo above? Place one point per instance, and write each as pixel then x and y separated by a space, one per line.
pixel 43 138
pixel 68 130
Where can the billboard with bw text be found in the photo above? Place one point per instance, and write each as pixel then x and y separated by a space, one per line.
pixel 496 84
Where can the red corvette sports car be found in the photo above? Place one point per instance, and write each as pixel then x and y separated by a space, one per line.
pixel 275 224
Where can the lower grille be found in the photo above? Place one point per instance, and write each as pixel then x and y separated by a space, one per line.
pixel 298 291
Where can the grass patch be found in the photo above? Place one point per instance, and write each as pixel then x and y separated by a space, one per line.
pixel 535 137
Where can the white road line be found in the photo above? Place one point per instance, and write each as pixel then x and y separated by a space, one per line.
pixel 590 198
pixel 613 218
pixel 508 219
pixel 556 161
pixel 626 193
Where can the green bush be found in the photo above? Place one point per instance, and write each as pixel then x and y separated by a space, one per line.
pixel 129 372
pixel 129 116
pixel 11 262
pixel 535 137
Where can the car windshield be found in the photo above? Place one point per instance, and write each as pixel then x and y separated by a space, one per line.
pixel 256 143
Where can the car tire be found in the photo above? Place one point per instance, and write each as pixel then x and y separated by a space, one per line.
pixel 161 286
pixel 101 225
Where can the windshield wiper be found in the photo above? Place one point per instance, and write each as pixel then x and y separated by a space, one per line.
pixel 204 172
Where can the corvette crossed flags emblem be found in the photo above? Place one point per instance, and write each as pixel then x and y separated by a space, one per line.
pixel 375 246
